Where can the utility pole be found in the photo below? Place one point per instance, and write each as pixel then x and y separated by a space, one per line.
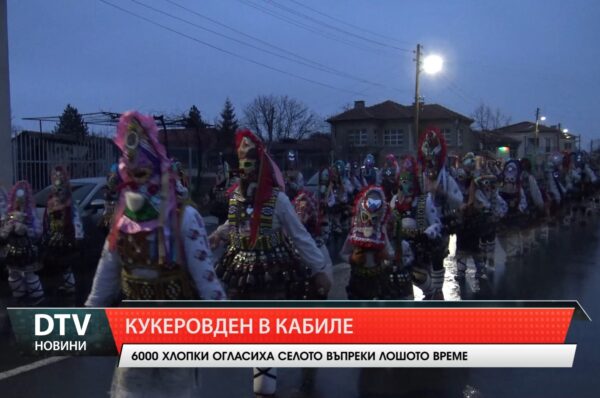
pixel 537 130
pixel 6 154
pixel 418 72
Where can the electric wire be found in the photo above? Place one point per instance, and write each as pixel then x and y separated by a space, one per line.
pixel 231 53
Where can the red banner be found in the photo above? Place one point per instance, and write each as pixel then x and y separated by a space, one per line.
pixel 339 325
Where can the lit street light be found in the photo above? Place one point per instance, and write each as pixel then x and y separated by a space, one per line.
pixel 432 64
pixel 565 131
pixel 543 118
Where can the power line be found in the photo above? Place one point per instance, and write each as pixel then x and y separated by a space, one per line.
pixel 310 28
pixel 150 21
pixel 332 27
pixel 302 60
pixel 346 23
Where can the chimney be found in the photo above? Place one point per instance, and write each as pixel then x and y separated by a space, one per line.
pixel 359 104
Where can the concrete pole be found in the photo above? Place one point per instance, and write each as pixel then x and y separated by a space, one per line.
pixel 416 115
pixel 6 168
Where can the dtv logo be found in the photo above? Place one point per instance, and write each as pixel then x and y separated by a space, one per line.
pixel 47 322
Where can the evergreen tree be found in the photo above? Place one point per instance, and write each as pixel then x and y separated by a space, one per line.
pixel 193 119
pixel 71 123
pixel 228 124
pixel 226 128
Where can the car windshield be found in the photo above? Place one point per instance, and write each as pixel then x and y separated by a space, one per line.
pixel 313 180
pixel 79 191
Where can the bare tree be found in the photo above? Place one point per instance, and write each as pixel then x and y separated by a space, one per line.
pixel 280 117
pixel 260 116
pixel 488 119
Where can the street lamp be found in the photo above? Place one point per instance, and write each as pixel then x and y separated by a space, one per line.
pixel 432 64
pixel 565 131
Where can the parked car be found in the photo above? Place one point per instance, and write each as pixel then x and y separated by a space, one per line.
pixel 312 184
pixel 88 196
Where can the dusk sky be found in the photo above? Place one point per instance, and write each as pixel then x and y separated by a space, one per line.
pixel 513 55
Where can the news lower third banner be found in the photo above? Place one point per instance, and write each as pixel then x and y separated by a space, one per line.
pixel 307 333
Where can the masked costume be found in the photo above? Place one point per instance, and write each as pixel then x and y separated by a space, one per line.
pixel 294 180
pixel 182 184
pixel 484 208
pixel 447 199
pixel 269 253
pixel 311 214
pixel 556 191
pixel 20 232
pixel 111 196
pixel 389 176
pixel 581 180
pixel 355 178
pixel 219 198
pixel 62 231
pixel 157 249
pixel 467 238
pixel 415 229
pixel 369 172
pixel 536 205
pixel 514 196
pixel 341 190
pixel 368 249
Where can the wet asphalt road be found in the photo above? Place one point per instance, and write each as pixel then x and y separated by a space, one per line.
pixel 567 266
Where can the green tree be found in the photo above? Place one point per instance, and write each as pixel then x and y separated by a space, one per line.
pixel 193 119
pixel 71 123
pixel 228 124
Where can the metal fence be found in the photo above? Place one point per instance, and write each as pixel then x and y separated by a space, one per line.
pixel 35 154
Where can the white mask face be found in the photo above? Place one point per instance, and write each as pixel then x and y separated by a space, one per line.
pixel 134 201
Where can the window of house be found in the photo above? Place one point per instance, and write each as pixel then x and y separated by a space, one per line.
pixel 357 137
pixel 548 145
pixel 393 137
pixel 447 135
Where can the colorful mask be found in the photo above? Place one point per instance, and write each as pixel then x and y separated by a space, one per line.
pixel 407 176
pixel 61 187
pixel 468 162
pixel 368 170
pixel 432 152
pixel 370 215
pixel 20 199
pixel 248 159
pixel 512 172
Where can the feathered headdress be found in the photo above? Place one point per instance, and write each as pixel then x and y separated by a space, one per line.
pixel 269 175
pixel 137 138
